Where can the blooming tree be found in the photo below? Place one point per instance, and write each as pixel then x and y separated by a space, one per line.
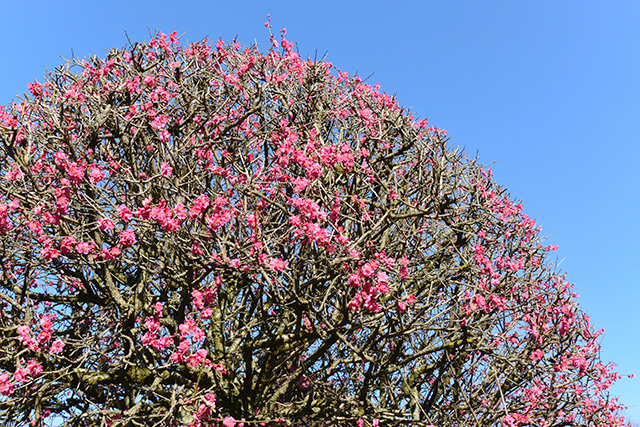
pixel 215 236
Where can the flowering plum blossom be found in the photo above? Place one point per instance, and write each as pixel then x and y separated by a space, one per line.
pixel 124 213
pixel 106 224
pixel 209 234
pixel 278 264
pixel 165 169
pixel 56 346
pixel 6 387
pixel 127 238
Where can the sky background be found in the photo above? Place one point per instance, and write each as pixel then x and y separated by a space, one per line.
pixel 549 90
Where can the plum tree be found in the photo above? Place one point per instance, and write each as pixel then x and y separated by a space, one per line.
pixel 215 235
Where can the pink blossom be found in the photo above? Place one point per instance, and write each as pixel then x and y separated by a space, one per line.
pixel 35 88
pixel 354 281
pixel 402 307
pixel 35 227
pixel 24 332
pixel 317 234
pixel 56 347
pixel 45 333
pixel 231 79
pixel 536 355
pixel 262 258
pixel 354 305
pixel 162 343
pixel 109 254
pixel 6 388
pixel 198 358
pixel 160 122
pixel 229 422
pixel 309 209
pixel 67 244
pixel 177 357
pixel 20 375
pixel 219 219
pixel 313 171
pixel 149 81
pixel 49 252
pixel 148 338
pixel 383 288
pixel 278 264
pixel 295 221
pixel 196 249
pixel 157 309
pixel 198 335
pixel 25 337
pixel 46 321
pixel 14 174
pixel 187 328
pixel 75 172
pixel 127 238
pixel 84 248
pixel 200 204
pixel 34 368
pixel 124 213
pixel 369 269
pixel 382 277
pixel 105 224
pixel 173 38
pixel 165 169
pixel 96 176
pixel 51 219
pixel 180 211
pixel 509 420
pixel 480 302
pixel 300 184
pixel 198 302
pixel 62 205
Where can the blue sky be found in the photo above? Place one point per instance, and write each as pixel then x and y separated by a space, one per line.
pixel 548 90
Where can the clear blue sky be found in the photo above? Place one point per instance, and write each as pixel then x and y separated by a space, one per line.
pixel 550 90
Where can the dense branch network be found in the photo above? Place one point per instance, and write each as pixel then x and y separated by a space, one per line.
pixel 213 236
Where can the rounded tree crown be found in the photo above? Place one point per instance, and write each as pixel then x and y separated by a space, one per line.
pixel 214 235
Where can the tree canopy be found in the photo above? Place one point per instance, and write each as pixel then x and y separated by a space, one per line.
pixel 214 235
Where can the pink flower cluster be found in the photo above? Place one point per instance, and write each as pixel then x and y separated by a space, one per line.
pixel 45 335
pixel 127 238
pixel 331 191
pixel 371 279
